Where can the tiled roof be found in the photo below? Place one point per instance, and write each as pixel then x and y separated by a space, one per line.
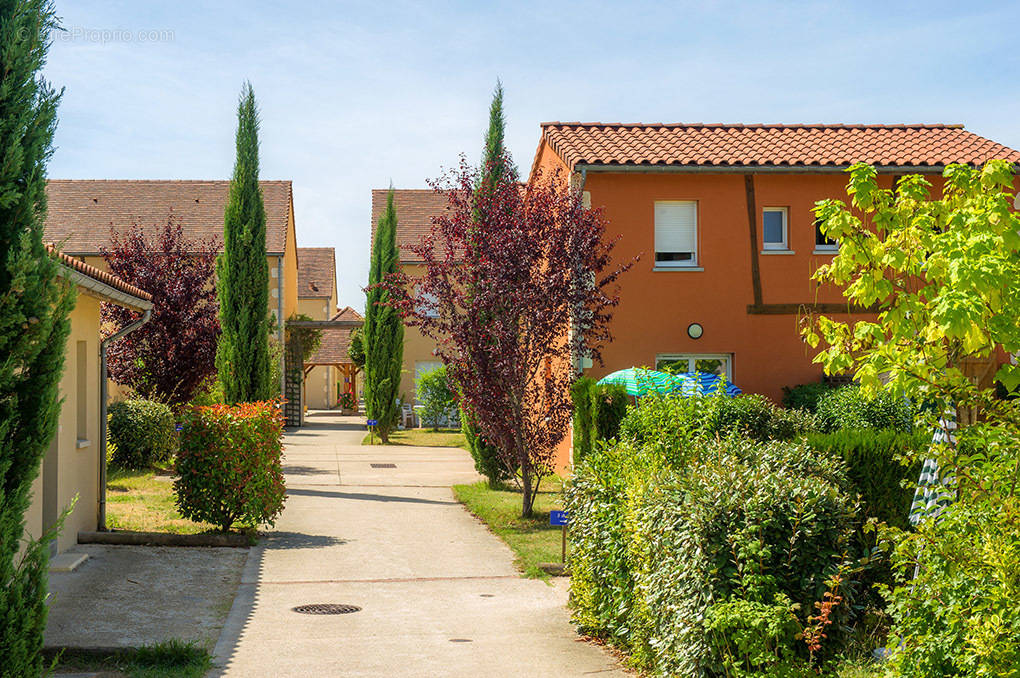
pixel 316 272
pixel 80 213
pixel 415 209
pixel 96 274
pixel 335 341
pixel 701 145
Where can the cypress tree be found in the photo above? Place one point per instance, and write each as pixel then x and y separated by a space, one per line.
pixel 33 323
pixel 383 333
pixel 242 354
pixel 494 159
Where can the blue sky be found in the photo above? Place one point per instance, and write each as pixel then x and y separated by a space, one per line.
pixel 355 95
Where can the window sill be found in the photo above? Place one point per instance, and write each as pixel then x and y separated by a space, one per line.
pixel 82 443
pixel 778 252
pixel 825 251
pixel 677 268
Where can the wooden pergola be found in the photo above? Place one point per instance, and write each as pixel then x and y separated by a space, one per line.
pixel 337 359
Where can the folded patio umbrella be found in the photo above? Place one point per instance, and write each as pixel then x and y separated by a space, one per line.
pixel 639 381
pixel 703 383
pixel 933 493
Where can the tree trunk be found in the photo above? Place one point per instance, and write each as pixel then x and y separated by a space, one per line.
pixel 528 498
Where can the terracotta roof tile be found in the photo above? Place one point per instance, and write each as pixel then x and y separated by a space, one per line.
pixel 80 213
pixel 335 341
pixel 316 272
pixel 720 145
pixel 415 209
pixel 96 274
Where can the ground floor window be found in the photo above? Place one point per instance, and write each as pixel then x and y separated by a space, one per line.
pixel 711 363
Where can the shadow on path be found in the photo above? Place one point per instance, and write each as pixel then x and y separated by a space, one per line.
pixel 300 540
pixel 303 492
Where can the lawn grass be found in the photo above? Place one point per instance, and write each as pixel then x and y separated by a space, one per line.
pixel 422 437
pixel 143 501
pixel 172 659
pixel 532 539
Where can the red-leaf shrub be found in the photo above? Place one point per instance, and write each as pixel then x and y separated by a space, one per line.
pixel 228 467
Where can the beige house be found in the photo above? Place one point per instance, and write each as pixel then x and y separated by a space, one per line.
pixel 317 299
pixel 72 463
pixel 81 215
pixel 415 209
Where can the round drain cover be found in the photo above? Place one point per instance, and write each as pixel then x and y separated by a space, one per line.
pixel 326 608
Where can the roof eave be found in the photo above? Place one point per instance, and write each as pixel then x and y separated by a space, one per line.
pixel 745 169
pixel 98 288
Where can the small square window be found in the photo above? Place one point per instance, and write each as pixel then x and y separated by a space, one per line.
pixel 823 243
pixel 774 228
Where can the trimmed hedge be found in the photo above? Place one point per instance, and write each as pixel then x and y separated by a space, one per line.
pixel 598 412
pixel 488 461
pixel 229 465
pixel 142 433
pixel 683 563
pixel 848 408
pixel 873 463
pixel 805 396
pixel 584 425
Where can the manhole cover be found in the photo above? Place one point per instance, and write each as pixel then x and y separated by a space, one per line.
pixel 384 466
pixel 327 608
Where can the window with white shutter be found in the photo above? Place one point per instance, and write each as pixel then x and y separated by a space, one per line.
pixel 676 233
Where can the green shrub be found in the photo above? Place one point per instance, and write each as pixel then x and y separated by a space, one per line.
pixel 954 606
pixel 584 424
pixel 142 433
pixel 874 463
pixel 848 408
pixel 229 465
pixel 609 407
pixel 487 459
pixel 664 555
pixel 437 399
pixel 805 396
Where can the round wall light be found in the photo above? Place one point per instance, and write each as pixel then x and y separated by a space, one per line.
pixel 695 330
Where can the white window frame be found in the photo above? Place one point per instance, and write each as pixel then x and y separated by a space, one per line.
pixel 832 248
pixel 693 262
pixel 692 359
pixel 784 244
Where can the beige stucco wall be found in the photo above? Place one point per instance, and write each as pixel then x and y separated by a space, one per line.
pixel 71 467
pixel 320 385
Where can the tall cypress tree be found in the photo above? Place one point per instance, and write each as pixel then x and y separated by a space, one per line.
pixel 33 323
pixel 242 355
pixel 383 333
pixel 493 166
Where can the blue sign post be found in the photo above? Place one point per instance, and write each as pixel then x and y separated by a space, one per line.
pixel 561 518
pixel 371 430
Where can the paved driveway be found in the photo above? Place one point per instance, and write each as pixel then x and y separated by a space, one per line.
pixel 438 592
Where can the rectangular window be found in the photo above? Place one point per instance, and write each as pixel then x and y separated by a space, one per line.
pixel 81 389
pixel 428 305
pixel 822 243
pixel 676 233
pixel 774 229
pixel 423 366
pixel 710 363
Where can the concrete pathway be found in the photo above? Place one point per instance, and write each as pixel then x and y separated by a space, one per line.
pixel 438 592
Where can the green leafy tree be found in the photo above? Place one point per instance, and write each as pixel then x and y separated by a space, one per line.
pixel 383 329
pixel 242 355
pixel 306 340
pixel 944 276
pixel 435 396
pixel 33 324
pixel 356 350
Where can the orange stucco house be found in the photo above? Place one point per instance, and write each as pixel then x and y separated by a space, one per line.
pixel 721 218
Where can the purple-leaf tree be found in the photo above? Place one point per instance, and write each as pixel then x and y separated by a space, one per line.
pixel 518 284
pixel 169 358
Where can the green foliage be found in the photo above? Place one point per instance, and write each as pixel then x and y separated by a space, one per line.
pixel 488 460
pixel 850 407
pixel 306 340
pixel 143 433
pixel 608 407
pixel 356 350
pixel 958 616
pixel 435 396
pixel 667 556
pixel 242 272
pixel 383 328
pixel 805 396
pixel 33 323
pixel 877 466
pixel 584 424
pixel 229 465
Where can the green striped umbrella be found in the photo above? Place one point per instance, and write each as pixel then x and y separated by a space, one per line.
pixel 639 381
